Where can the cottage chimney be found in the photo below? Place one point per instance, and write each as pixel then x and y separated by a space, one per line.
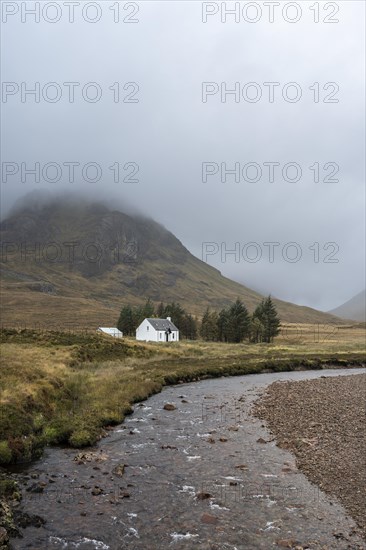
pixel 169 319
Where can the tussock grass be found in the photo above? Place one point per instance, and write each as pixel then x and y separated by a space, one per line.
pixel 64 388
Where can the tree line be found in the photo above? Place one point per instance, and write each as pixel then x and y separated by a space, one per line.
pixel 231 324
pixel 235 324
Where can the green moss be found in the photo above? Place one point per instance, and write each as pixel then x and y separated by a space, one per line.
pixel 38 422
pixel 83 438
pixel 50 435
pixel 5 453
pixel 9 488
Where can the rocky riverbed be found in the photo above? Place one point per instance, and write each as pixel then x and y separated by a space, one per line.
pixel 323 422
pixel 190 468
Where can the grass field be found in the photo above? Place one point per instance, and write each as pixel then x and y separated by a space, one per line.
pixel 59 387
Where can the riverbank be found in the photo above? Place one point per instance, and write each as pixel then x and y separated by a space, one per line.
pixel 322 422
pixel 66 388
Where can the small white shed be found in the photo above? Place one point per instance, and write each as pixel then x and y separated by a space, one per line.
pixel 157 330
pixel 111 331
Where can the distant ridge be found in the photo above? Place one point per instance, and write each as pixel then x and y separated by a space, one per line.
pixel 354 309
pixel 71 262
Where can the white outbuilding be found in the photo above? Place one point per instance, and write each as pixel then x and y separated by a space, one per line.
pixel 111 331
pixel 157 330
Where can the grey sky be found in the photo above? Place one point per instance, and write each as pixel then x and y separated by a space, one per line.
pixel 170 132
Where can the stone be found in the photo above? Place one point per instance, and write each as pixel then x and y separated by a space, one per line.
pixel 169 407
pixel 89 456
pixel 28 520
pixel 208 518
pixel 119 470
pixel 203 496
pixel 286 543
pixel 4 537
pixel 35 488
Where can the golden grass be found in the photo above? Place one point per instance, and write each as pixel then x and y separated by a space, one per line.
pixel 27 367
pixel 58 387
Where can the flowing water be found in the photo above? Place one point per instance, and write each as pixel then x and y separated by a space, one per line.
pixel 253 497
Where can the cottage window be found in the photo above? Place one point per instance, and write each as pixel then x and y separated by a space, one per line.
pixel 147 328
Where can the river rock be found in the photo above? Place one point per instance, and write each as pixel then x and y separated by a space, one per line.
pixel 203 496
pixel 4 537
pixel 35 488
pixel 7 519
pixel 119 470
pixel 27 520
pixel 208 518
pixel 89 456
pixel 286 543
pixel 169 407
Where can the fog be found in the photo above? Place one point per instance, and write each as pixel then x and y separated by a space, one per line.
pixel 171 135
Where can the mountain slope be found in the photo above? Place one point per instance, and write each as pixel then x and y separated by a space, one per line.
pixel 354 309
pixel 72 263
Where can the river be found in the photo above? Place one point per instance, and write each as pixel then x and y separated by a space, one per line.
pixel 205 475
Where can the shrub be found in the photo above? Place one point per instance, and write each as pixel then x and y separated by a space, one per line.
pixel 5 453
pixel 38 422
pixel 82 438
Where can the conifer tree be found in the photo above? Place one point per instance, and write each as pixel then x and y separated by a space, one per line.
pixel 188 328
pixel 222 325
pixel 160 310
pixel 148 310
pixel 238 322
pixel 266 314
pixel 209 327
pixel 176 312
pixel 125 322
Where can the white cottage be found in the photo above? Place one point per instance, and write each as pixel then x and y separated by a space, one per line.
pixel 157 330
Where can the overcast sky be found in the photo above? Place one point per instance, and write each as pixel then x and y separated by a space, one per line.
pixel 170 131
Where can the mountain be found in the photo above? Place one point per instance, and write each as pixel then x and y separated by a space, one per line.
pixel 67 262
pixel 354 309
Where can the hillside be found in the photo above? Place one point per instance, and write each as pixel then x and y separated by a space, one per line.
pixel 73 263
pixel 354 309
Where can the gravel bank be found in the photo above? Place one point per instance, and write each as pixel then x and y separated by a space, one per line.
pixel 323 423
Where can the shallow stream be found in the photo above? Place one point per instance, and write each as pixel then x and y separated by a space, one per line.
pixel 252 495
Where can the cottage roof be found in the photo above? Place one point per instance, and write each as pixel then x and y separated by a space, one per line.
pixel 161 324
